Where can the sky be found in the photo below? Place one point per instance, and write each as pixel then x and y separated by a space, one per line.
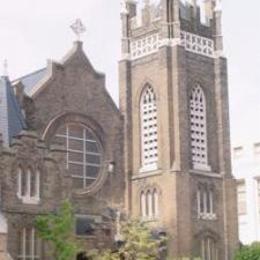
pixel 32 31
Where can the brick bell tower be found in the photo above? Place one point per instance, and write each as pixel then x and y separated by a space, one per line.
pixel 174 98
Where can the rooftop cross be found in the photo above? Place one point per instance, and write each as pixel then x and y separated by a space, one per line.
pixel 78 28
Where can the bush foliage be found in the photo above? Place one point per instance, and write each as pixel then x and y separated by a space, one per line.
pixel 251 252
pixel 58 230
pixel 138 244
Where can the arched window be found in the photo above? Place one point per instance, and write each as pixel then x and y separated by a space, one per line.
pixel 28 186
pixel 209 249
pixel 149 198
pixel 149 204
pixel 83 153
pixel 29 244
pixel 198 129
pixel 35 183
pixel 143 204
pixel 155 203
pixel 149 132
pixel 205 202
pixel 22 182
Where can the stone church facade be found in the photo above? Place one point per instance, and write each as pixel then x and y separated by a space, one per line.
pixel 163 156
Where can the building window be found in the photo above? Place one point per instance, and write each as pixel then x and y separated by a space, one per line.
pixel 257 149
pixel 258 196
pixel 198 129
pixel 149 129
pixel 143 205
pixel 241 197
pixel 205 201
pixel 209 249
pixel 29 244
pixel 84 156
pixel 149 204
pixel 28 186
pixel 155 203
pixel 238 152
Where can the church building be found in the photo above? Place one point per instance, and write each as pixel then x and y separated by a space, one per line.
pixel 163 156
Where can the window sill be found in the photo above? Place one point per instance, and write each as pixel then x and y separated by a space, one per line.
pixel 149 168
pixel 207 216
pixel 201 167
pixel 29 200
pixel 143 175
pixel 206 173
pixel 150 219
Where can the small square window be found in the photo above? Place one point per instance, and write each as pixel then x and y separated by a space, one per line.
pixel 238 152
pixel 257 149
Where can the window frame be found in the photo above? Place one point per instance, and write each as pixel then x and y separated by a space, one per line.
pixel 209 249
pixel 84 139
pixel 34 242
pixel 205 203
pixel 240 212
pixel 149 204
pixel 198 129
pixel 24 182
pixel 148 112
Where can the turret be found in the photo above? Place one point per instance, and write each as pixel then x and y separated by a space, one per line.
pixel 165 22
pixel 218 27
pixel 128 11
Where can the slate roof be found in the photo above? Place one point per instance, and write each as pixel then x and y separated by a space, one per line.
pixel 11 117
pixel 30 80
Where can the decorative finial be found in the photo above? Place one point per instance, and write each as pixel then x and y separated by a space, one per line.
pixel 124 7
pixel 78 28
pixel 146 2
pixel 218 6
pixel 5 68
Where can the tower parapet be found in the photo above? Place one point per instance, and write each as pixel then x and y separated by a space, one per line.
pixel 170 22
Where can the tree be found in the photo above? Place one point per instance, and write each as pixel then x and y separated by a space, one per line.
pixel 251 252
pixel 58 230
pixel 138 244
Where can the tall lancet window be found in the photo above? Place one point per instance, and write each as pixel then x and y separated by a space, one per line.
pixel 198 129
pixel 149 133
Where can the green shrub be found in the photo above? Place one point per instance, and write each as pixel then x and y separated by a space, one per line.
pixel 251 252
pixel 58 230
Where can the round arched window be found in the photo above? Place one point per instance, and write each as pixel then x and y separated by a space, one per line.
pixel 84 153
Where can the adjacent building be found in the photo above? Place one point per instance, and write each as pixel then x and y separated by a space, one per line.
pixel 246 169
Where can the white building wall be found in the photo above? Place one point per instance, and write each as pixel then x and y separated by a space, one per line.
pixel 246 167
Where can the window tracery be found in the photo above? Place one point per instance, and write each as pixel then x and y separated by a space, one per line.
pixel 84 155
pixel 29 245
pixel 149 129
pixel 209 249
pixel 149 204
pixel 198 129
pixel 205 202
